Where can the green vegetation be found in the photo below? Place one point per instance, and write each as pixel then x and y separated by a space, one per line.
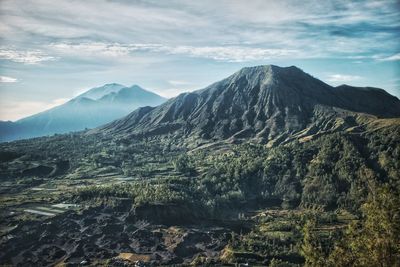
pixel 370 241
pixel 330 200
pixel 139 192
pixel 184 165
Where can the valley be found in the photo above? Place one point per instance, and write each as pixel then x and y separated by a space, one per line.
pixel 171 205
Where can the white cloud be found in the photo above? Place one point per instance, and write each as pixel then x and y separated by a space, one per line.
pixel 310 26
pixel 391 58
pixel 6 79
pixel 179 82
pixel 26 57
pixel 229 53
pixel 213 29
pixel 177 87
pixel 218 53
pixel 57 102
pixel 342 78
pixel 174 91
pixel 95 48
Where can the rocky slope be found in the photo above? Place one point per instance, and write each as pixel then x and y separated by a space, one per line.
pixel 267 103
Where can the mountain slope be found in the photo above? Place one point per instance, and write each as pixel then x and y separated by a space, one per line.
pixel 93 108
pixel 263 102
pixel 133 96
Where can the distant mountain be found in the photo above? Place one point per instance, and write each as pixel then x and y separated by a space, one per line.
pixel 95 107
pixel 98 92
pixel 267 103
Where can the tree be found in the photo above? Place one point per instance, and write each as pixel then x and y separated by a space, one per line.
pixel 311 248
pixel 374 241
pixel 278 263
pixel 184 165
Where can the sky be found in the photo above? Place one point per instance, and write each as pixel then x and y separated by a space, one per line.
pixel 52 50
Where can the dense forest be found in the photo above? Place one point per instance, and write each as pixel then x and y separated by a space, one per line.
pixel 330 201
pixel 322 178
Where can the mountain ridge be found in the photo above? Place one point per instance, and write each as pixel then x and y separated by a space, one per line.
pixel 87 110
pixel 262 102
pixel 98 92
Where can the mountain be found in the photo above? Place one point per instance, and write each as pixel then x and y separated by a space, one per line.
pixel 187 183
pixel 132 96
pixel 98 92
pixel 95 107
pixel 267 103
